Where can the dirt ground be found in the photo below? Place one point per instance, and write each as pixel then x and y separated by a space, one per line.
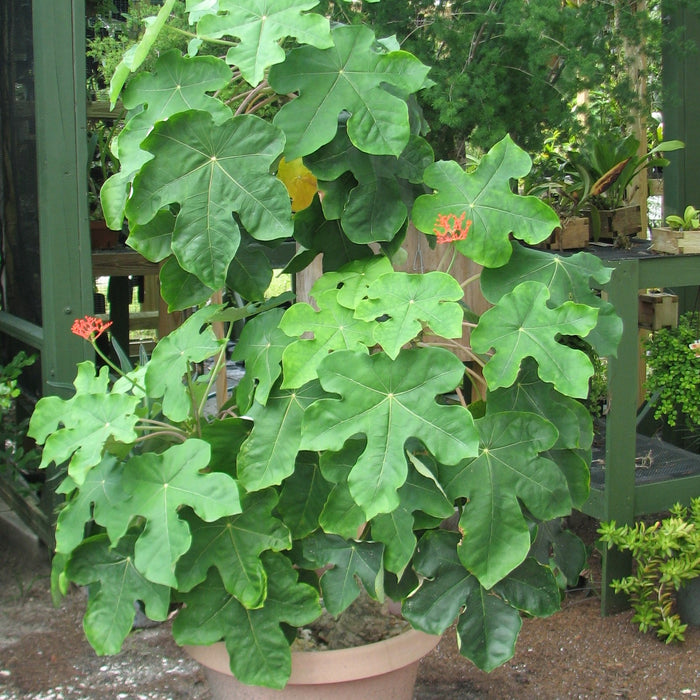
pixel 574 654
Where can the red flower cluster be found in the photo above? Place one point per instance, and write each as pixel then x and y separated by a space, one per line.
pixel 89 327
pixel 450 227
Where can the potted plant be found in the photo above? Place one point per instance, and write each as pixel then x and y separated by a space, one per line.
pixel 349 440
pixel 673 376
pixel 666 564
pixel 564 194
pixel 611 162
pixel 101 166
pixel 679 236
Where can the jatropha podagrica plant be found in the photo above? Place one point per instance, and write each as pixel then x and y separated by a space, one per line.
pixel 351 438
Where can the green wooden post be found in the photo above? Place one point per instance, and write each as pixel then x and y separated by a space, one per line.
pixel 681 110
pixel 618 498
pixel 66 266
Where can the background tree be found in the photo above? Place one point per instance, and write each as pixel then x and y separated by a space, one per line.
pixel 517 67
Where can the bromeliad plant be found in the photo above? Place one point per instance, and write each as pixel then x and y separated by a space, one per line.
pixel 349 441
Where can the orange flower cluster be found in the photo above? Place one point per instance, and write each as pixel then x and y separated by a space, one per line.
pixel 89 327
pixel 450 227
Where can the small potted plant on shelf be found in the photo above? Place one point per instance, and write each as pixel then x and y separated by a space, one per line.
pixel 350 439
pixel 101 165
pixel 663 590
pixel 565 195
pixel 680 235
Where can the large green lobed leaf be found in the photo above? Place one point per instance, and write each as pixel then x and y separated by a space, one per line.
pixel 111 604
pixel 158 485
pixel 260 25
pixel 212 171
pixel 410 303
pixel 257 646
pixel 522 325
pixel 233 545
pixel 176 84
pixel 508 474
pixel 486 199
pixel 76 430
pixel 333 327
pixel 389 401
pixel 568 278
pixel 346 77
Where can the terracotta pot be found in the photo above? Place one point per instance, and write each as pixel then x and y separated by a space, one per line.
pixel 385 670
pixel 102 237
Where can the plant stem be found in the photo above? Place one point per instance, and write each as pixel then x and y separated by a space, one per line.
pixel 469 280
pixel 111 364
pixel 161 433
pixel 210 40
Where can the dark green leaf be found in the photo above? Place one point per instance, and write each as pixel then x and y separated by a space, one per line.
pixel 488 630
pixel 233 545
pixel 508 472
pixel 304 496
pixel 352 564
pixel 445 584
pixel 111 605
pixel 257 646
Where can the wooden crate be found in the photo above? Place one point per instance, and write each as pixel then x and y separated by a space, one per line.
pixel 658 310
pixel 667 240
pixel 573 233
pixel 625 221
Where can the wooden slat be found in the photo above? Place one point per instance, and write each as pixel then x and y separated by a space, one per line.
pixel 118 263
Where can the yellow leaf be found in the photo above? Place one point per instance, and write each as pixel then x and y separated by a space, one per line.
pixel 299 181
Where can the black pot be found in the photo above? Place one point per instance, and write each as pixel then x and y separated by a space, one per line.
pixel 688 601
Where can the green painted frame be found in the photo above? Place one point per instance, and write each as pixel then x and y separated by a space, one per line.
pixel 621 499
pixel 61 142
pixel 64 236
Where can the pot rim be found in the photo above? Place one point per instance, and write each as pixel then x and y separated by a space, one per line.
pixel 336 665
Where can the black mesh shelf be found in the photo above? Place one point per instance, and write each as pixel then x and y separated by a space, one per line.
pixel 656 461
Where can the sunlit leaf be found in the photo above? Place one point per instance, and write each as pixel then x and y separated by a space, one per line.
pixel 485 198
pixel 523 325
pixel 260 25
